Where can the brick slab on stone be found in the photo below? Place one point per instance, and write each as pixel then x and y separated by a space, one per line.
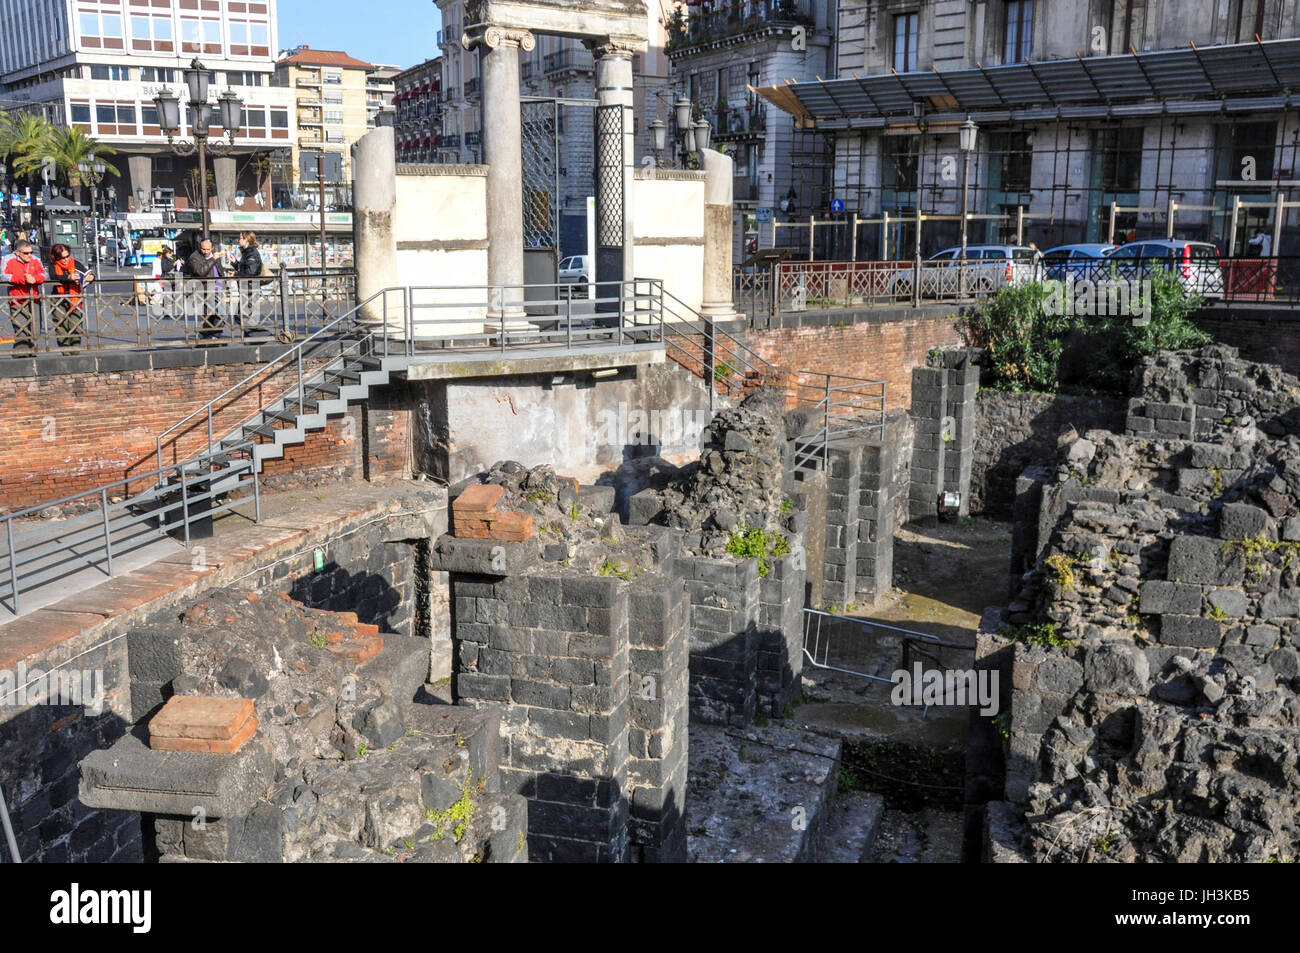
pixel 480 498
pixel 201 717
pixel 358 650
pixel 512 527
pixel 208 746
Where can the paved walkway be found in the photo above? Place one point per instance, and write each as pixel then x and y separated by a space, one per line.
pixel 236 547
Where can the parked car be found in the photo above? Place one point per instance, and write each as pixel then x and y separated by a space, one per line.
pixel 576 270
pixel 988 268
pixel 1077 261
pixel 1195 264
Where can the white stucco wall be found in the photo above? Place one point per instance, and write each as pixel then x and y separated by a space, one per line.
pixel 668 229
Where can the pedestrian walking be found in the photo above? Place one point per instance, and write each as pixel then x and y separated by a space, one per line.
pixel 66 309
pixel 25 274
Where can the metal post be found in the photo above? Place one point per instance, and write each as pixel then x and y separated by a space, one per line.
pixel 160 470
pixel 1020 224
pixel 916 254
pixel 257 493
pixel 853 245
pixel 284 301
pixel 108 536
pixel 1170 208
pixel 1232 231
pixel 1278 215
pixel 203 182
pixel 1110 235
pixel 209 428
pixel 320 178
pixel 965 220
pixel 13 565
pixel 884 236
pixel 826 428
pixel 408 319
pixel 568 319
pixel 185 501
pixel 301 393
pixel 812 235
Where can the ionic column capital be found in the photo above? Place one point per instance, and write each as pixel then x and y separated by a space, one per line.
pixel 494 36
pixel 624 46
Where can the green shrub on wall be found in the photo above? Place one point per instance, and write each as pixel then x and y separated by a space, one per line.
pixel 1033 344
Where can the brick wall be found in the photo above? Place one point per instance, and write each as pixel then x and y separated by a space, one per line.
pixel 878 350
pixel 1261 334
pixel 62 434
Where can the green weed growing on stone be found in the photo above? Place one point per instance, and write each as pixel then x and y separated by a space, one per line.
pixel 1217 613
pixel 363 749
pixel 848 780
pixel 1042 634
pixel 539 498
pixel 611 567
pixel 786 506
pixel 573 511
pixel 455 818
pixel 318 640
pixel 1002 723
pixel 752 542
pixel 1062 570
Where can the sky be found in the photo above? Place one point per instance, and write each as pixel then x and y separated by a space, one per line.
pixel 400 32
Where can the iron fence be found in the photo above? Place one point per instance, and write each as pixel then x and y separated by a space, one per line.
pixel 139 312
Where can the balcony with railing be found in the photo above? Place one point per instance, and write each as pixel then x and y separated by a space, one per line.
pixel 712 21
pixel 738 122
pixel 472 86
pixel 578 61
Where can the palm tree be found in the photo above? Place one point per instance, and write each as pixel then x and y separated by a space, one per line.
pixel 22 136
pixel 68 146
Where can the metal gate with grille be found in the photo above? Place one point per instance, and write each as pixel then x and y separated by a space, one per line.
pixel 541 172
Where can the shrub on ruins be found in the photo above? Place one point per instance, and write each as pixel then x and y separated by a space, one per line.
pixel 1022 340
pixel 1033 343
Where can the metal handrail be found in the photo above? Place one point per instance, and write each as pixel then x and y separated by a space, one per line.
pixel 294 352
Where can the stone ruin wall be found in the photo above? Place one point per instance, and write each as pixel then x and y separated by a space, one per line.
pixel 1158 718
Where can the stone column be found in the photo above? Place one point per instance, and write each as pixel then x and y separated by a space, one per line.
pixel 718 236
pixel 223 169
pixel 502 151
pixel 614 87
pixel 374 196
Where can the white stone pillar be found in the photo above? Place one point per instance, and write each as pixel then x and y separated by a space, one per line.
pixel 374 197
pixel 503 154
pixel 718 235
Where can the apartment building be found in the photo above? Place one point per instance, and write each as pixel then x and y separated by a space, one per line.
pixel 330 100
pixel 1095 119
pixel 417 101
pixel 97 64
pixel 719 50
pixel 380 90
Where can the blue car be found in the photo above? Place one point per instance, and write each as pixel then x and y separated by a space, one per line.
pixel 1080 261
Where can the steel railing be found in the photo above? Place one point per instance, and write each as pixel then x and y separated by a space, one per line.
pixel 168 502
pixel 144 312
pixel 845 408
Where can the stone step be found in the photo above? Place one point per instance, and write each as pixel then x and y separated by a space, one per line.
pixel 849 831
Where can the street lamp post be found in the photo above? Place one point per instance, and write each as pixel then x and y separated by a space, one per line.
pixel 230 109
pixel 691 136
pixel 93 170
pixel 967 134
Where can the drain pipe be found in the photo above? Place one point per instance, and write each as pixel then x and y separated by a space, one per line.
pixel 9 828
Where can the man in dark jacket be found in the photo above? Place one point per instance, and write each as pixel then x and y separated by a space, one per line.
pixel 204 266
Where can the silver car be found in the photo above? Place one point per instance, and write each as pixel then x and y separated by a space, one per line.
pixel 987 269
pixel 1194 264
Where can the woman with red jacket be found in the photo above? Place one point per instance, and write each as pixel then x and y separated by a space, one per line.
pixel 24 274
pixel 69 278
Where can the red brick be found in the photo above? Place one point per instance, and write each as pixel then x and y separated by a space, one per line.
pixel 205 745
pixel 360 649
pixel 512 527
pixel 201 716
pixel 479 498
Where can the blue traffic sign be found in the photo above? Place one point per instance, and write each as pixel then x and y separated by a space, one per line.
pixel 837 205
pixel 763 215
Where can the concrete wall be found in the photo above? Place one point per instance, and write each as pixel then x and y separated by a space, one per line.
pixel 441 232
pixel 668 228
pixel 583 429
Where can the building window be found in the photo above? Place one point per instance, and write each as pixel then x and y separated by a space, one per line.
pixel 162 163
pixel 119 74
pixel 334 115
pixel 157 74
pixel 333 97
pixel 279 119
pixel 237 78
pixel 80 113
pixel 151 33
pixel 1249 21
pixel 905 42
pixel 900 162
pixel 1121 159
pixel 1017 42
pixel 101 24
pixel 1015 158
pixel 333 77
pixel 333 137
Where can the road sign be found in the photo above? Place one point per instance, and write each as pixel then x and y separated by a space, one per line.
pixel 837 205
pixel 763 215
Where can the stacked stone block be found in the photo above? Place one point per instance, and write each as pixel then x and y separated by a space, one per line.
pixel 875 548
pixel 780 635
pixel 843 491
pixel 725 604
pixel 963 382
pixel 1166 420
pixel 929 406
pixel 659 658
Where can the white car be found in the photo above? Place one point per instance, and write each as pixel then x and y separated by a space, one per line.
pixel 576 270
pixel 988 268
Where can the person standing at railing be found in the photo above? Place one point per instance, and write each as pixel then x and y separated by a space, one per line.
pixel 247 267
pixel 1261 244
pixel 69 278
pixel 204 266
pixel 25 274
